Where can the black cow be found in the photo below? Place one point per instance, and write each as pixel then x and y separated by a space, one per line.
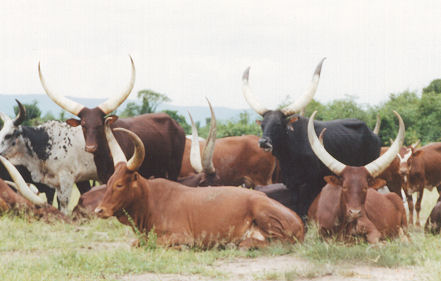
pixel 285 134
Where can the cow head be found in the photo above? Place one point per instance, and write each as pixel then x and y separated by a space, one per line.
pixel 125 179
pixel 354 181
pixel 11 135
pixel 91 119
pixel 276 123
pixel 407 157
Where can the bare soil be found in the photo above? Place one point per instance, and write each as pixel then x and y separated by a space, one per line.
pixel 290 268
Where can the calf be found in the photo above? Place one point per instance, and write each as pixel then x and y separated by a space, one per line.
pixel 88 202
pixel 181 215
pixel 53 152
pixel 349 203
pixel 433 223
pixel 421 168
pixel 227 161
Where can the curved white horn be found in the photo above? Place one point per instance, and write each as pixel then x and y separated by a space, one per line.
pixel 4 117
pixel 414 145
pixel 113 103
pixel 65 103
pixel 381 163
pixel 377 125
pixel 21 185
pixel 207 154
pixel 333 164
pixel 195 152
pixel 116 151
pixel 21 116
pixel 306 98
pixel 250 99
pixel 139 152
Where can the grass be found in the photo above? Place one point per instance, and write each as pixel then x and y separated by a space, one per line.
pixel 100 249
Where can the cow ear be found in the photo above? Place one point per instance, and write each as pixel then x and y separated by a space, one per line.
pixel 290 121
pixel 416 153
pixel 333 180
pixel 111 118
pixel 376 183
pixel 73 122
pixel 259 122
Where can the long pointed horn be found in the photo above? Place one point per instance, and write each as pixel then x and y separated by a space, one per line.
pixel 195 152
pixel 138 154
pixel 22 187
pixel 65 103
pixel 116 151
pixel 380 164
pixel 333 164
pixel 414 145
pixel 113 103
pixel 4 117
pixel 207 154
pixel 21 114
pixel 306 98
pixel 31 186
pixel 250 99
pixel 377 125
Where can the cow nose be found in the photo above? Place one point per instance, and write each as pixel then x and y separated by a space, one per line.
pixel 98 210
pixel 90 148
pixel 265 143
pixel 355 213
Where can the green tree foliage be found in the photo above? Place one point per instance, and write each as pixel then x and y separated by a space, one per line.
pixel 32 113
pixel 434 87
pixel 150 100
pixel 180 119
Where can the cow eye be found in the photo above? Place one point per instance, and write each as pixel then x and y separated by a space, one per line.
pixel 119 185
pixel 8 136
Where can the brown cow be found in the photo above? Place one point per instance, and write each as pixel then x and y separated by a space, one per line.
pixel 349 203
pixel 162 135
pixel 181 215
pixel 88 202
pixel 227 161
pixel 433 223
pixel 421 168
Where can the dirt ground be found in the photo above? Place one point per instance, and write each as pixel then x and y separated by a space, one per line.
pixel 274 268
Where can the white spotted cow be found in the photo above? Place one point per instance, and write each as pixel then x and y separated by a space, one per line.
pixel 52 152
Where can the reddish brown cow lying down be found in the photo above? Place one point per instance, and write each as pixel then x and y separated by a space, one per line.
pixel 349 204
pixel 182 215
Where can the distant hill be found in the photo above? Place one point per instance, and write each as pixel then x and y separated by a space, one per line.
pixel 199 113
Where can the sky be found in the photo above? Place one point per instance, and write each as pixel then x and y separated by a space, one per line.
pixel 190 50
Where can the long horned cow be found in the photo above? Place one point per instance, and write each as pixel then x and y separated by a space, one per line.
pixel 52 153
pixel 181 215
pixel 349 204
pixel 284 133
pixel 162 135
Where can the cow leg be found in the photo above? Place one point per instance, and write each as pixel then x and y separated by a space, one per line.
pixel 365 226
pixel 418 206
pixel 410 206
pixel 438 187
pixel 83 186
pixel 63 193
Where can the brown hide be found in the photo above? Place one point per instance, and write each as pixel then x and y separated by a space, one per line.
pixel 89 201
pixel 433 223
pixel 382 215
pixel 204 217
pixel 10 201
pixel 238 160
pixel 162 137
pixel 423 170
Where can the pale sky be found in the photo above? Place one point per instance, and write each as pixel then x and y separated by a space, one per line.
pixel 192 49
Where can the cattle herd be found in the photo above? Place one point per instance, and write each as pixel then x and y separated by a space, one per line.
pixel 241 190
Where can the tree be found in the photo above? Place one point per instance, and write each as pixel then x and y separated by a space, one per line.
pixel 151 100
pixel 434 86
pixel 132 109
pixel 180 119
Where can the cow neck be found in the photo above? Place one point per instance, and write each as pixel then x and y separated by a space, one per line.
pixel 103 160
pixel 139 208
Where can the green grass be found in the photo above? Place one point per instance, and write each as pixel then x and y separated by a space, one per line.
pixel 100 249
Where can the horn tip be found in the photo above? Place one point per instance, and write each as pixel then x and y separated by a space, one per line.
pixel 318 69
pixel 246 74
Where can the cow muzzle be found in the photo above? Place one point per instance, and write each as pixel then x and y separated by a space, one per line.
pixel 102 212
pixel 265 144
pixel 90 148
pixel 353 214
